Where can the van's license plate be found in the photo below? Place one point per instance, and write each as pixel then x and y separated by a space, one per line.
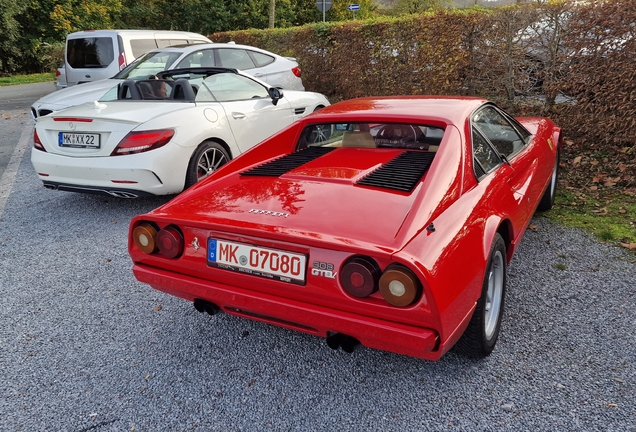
pixel 78 140
pixel 258 261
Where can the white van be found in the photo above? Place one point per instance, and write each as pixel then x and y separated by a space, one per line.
pixel 98 54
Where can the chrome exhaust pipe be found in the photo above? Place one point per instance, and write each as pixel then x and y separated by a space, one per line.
pixel 206 306
pixel 122 194
pixel 339 340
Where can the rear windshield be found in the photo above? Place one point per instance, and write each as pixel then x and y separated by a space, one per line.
pixel 91 53
pixel 372 135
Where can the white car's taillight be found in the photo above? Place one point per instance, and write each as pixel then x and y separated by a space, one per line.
pixel 142 141
pixel 37 144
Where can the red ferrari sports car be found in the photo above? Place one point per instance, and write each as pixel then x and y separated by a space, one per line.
pixel 386 222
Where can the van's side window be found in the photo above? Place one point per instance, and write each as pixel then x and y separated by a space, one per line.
pixel 142 46
pixel 162 43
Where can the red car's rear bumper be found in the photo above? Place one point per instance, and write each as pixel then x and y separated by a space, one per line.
pixel 295 315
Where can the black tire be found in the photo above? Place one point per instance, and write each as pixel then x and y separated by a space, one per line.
pixel 547 200
pixel 206 159
pixel 481 335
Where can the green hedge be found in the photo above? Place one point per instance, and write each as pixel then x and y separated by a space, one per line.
pixel 574 63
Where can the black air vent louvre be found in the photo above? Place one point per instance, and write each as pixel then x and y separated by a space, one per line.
pixel 284 164
pixel 402 173
pixel 479 171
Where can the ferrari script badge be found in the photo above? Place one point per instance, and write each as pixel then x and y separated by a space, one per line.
pixel 268 213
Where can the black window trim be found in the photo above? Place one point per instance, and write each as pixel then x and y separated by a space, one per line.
pixel 474 129
pixel 521 130
pixel 523 133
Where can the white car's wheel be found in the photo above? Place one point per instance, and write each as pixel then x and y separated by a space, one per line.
pixel 206 159
pixel 481 335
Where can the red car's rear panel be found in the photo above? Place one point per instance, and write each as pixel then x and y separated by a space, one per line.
pixel 321 214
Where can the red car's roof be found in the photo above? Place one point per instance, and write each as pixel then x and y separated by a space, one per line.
pixel 445 109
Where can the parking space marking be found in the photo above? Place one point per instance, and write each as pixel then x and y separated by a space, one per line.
pixel 8 177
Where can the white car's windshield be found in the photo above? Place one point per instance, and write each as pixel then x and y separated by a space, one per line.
pixel 189 87
pixel 148 65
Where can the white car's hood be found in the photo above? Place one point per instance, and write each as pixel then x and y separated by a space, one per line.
pixel 77 94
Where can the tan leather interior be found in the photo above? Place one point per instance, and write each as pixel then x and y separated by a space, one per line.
pixel 358 139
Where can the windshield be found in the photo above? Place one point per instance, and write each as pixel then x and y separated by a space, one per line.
pixel 372 135
pixel 148 65
pixel 227 87
pixel 189 86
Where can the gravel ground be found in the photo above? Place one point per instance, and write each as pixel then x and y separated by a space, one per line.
pixel 85 347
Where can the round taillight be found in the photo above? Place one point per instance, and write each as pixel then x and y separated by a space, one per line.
pixel 170 242
pixel 145 237
pixel 399 286
pixel 359 276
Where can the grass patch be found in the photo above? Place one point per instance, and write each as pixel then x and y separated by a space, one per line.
pixel 610 216
pixel 26 79
pixel 560 266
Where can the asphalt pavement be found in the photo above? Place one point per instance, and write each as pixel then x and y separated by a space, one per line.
pixel 85 347
pixel 15 103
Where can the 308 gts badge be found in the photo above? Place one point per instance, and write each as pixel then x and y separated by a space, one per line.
pixel 323 269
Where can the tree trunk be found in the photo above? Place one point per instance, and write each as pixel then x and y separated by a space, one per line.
pixel 272 13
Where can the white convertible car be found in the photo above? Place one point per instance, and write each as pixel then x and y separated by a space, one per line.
pixel 162 135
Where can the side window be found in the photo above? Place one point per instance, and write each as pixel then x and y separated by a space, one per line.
pixel 226 87
pixel 162 43
pixel 235 58
pixel 204 58
pixel 142 46
pixel 499 131
pixel 261 59
pixel 191 60
pixel 485 158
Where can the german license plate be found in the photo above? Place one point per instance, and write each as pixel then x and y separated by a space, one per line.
pixel 78 140
pixel 258 261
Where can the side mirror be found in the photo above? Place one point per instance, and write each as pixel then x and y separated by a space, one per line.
pixel 275 94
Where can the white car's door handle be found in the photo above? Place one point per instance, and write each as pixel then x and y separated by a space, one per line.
pixel 238 115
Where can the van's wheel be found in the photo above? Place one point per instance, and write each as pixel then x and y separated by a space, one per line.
pixel 206 159
pixel 480 336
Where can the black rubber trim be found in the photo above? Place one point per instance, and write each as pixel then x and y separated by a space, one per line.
pixel 287 163
pixel 401 173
